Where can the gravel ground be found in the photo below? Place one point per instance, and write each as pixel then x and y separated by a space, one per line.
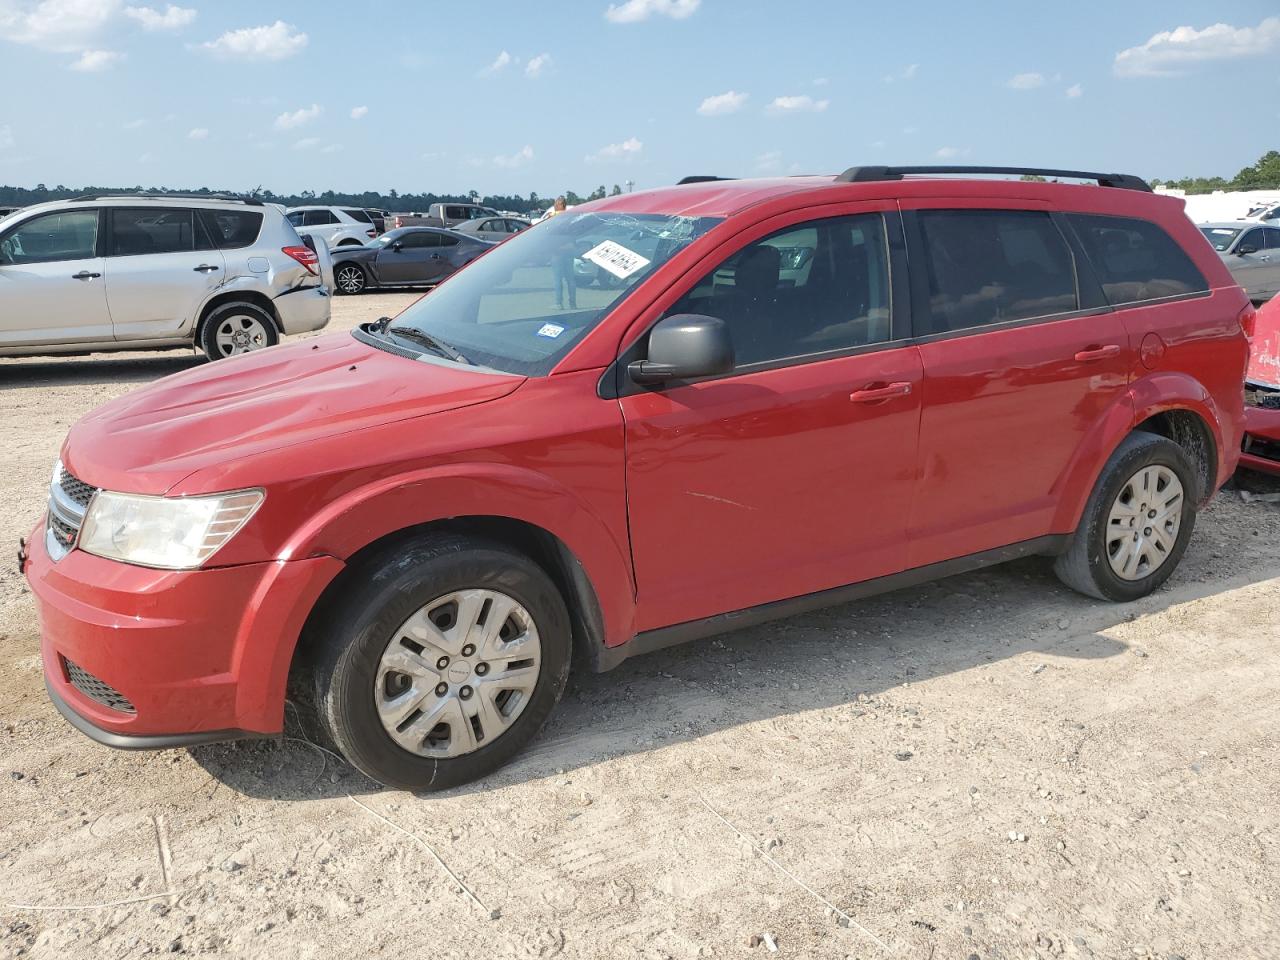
pixel 990 766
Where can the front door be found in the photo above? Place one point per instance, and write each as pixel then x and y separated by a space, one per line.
pixel 795 473
pixel 414 258
pixel 51 281
pixel 160 269
pixel 1016 374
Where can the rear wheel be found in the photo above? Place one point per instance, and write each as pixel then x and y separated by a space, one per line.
pixel 350 279
pixel 442 662
pixel 1137 522
pixel 237 327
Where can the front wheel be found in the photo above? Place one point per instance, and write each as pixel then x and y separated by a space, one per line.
pixel 350 279
pixel 443 659
pixel 1137 522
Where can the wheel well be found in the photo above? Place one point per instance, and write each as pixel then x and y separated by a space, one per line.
pixel 544 548
pixel 241 296
pixel 1189 431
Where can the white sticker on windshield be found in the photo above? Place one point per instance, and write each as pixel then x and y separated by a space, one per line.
pixel 616 258
pixel 551 330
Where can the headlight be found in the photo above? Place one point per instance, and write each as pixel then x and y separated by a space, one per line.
pixel 173 533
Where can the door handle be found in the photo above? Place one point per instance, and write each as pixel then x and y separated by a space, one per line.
pixel 206 268
pixel 436 256
pixel 1098 353
pixel 876 394
pixel 85 275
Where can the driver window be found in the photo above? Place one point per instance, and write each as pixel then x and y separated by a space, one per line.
pixel 66 235
pixel 812 289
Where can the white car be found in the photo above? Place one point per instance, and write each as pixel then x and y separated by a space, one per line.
pixel 140 272
pixel 337 226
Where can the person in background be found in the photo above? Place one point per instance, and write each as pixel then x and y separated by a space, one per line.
pixel 556 208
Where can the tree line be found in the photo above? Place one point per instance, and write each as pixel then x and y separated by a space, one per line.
pixel 1263 175
pixel 391 200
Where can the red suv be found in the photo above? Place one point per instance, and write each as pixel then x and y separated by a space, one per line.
pixel 653 418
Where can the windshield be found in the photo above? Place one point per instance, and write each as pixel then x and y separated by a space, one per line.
pixel 523 305
pixel 1220 237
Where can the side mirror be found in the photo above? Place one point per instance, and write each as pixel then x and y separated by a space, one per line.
pixel 684 347
pixel 397 246
pixel 1244 249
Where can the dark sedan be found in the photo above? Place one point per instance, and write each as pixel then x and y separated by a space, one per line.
pixel 407 257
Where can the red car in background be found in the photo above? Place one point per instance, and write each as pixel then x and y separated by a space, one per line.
pixel 1262 382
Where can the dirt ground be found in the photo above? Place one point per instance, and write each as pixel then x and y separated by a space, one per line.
pixel 986 767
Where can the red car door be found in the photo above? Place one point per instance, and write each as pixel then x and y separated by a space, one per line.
pixel 794 473
pixel 1020 362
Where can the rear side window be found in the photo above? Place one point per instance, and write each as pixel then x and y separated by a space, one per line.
pixel 232 229
pixel 318 218
pixel 135 232
pixel 1136 260
pixel 296 218
pixel 361 216
pixel 994 266
pixel 459 213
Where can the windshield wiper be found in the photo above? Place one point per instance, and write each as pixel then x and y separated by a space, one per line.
pixel 428 341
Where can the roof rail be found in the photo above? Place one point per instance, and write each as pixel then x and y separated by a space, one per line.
pixel 217 197
pixel 1123 181
pixel 701 179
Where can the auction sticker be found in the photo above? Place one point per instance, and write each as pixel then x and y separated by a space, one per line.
pixel 616 258
pixel 551 330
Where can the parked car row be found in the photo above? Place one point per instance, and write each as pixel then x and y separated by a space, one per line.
pixel 1251 251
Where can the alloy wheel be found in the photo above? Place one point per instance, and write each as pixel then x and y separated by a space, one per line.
pixel 240 333
pixel 350 279
pixel 1143 525
pixel 458 673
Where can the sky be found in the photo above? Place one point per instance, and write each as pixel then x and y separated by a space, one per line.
pixel 513 96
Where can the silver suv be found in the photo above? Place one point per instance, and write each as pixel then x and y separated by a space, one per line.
pixel 141 272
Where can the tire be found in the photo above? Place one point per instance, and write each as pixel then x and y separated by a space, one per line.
pixel 237 327
pixel 350 279
pixel 1102 563
pixel 372 712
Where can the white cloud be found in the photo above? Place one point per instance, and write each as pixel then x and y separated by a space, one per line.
pixel 134 124
pixel 1026 81
pixel 517 159
pixel 1171 52
pixel 801 104
pixel 299 117
pixel 173 18
pixel 769 162
pixel 537 64
pixel 500 63
pixel 279 41
pixel 332 148
pixel 63 26
pixel 6 137
pixel 820 81
pixel 359 113
pixel 199 133
pixel 1074 91
pixel 306 143
pixel 951 153
pixel 95 61
pixel 633 11
pixel 722 103
pixel 906 73
pixel 627 149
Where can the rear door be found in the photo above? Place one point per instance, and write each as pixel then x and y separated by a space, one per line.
pixel 161 268
pixel 51 280
pixel 320 223
pixel 795 473
pixel 1018 367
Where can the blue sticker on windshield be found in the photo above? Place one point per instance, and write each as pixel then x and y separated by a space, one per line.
pixel 551 330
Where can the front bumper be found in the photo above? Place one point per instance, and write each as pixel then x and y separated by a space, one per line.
pixel 1261 449
pixel 304 309
pixel 141 658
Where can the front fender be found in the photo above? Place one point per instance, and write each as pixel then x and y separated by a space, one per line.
pixel 371 512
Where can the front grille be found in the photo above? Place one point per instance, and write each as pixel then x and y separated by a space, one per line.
pixel 76 489
pixel 97 690
pixel 69 498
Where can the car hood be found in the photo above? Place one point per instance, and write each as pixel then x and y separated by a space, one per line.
pixel 152 438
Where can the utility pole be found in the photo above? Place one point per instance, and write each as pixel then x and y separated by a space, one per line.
pixel 630 184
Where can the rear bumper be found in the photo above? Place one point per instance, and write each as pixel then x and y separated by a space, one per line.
pixel 141 658
pixel 1261 448
pixel 304 309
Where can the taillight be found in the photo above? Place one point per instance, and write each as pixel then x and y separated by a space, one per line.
pixel 1249 320
pixel 305 256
